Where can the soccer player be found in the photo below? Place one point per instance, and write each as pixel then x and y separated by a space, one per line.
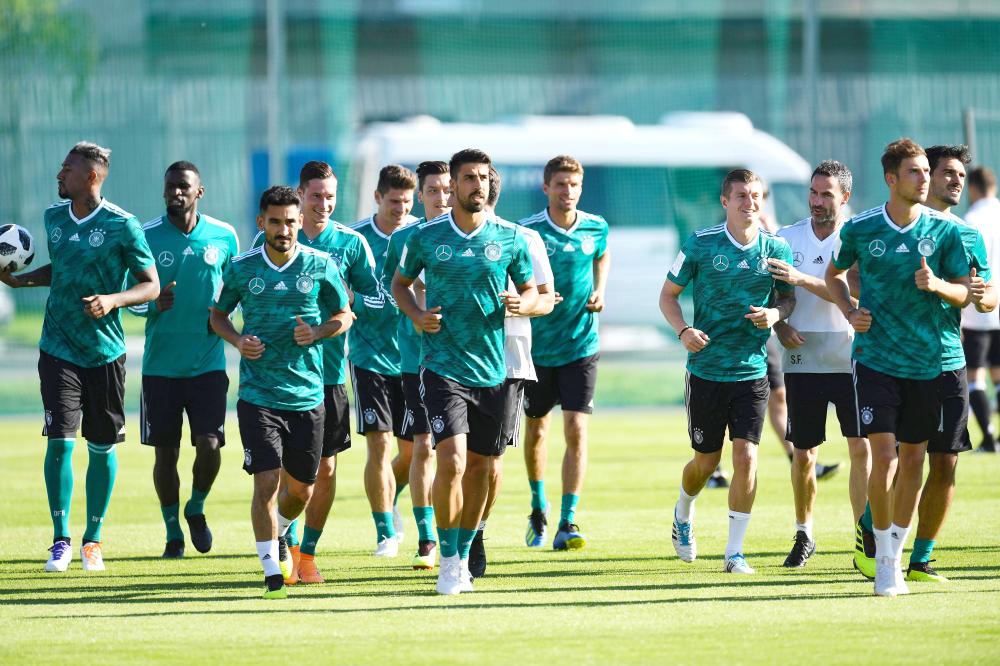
pixel 817 354
pixel 736 302
pixel 901 248
pixel 93 245
pixel 434 192
pixel 292 298
pixel 981 331
pixel 183 363
pixel 376 371
pixel 947 164
pixel 466 257
pixel 565 348
pixel 318 192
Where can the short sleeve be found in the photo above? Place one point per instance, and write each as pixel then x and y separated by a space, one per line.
pixel 540 266
pixel 229 294
pixel 602 240
pixel 361 275
pixel 978 258
pixel 520 264
pixel 954 260
pixel 685 265
pixel 332 296
pixel 845 254
pixel 258 240
pixel 783 251
pixel 410 260
pixel 138 256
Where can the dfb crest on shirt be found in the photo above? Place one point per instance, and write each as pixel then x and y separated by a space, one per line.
pixel 720 262
pixel 211 255
pixel 165 258
pixel 761 267
pixel 256 286
pixel 96 238
pixel 926 246
pixel 493 251
pixel 304 284
pixel 587 245
pixel 369 416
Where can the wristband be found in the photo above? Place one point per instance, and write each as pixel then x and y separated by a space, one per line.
pixel 682 332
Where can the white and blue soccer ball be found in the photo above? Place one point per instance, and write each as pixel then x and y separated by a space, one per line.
pixel 17 247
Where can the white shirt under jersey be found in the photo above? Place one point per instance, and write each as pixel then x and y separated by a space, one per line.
pixel 984 215
pixel 827 334
pixel 517 345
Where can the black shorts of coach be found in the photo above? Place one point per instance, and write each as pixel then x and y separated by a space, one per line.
pixel 281 438
pixel 908 408
pixel 476 412
pixel 808 396
pixel 337 421
pixel 982 348
pixel 378 402
pixel 415 417
pixel 70 391
pixel 952 435
pixel 164 400
pixel 572 386
pixel 513 399
pixel 714 406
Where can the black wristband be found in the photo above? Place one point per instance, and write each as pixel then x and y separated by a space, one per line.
pixel 682 332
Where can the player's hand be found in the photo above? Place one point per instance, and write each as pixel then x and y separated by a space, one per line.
pixel 165 300
pixel 9 279
pixel 250 346
pixel 788 335
pixel 977 287
pixel 304 334
pixel 512 301
pixel 784 271
pixel 694 340
pixel 762 317
pixel 98 305
pixel 556 298
pixel 925 278
pixel 596 302
pixel 429 321
pixel 860 319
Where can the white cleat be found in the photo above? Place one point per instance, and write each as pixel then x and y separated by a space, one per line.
pixel 901 586
pixel 737 564
pixel 466 577
pixel 682 536
pixel 397 523
pixel 885 577
pixel 60 558
pixel 449 575
pixel 92 557
pixel 387 548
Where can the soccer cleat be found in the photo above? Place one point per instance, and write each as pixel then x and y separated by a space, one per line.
pixel 424 559
pixel 60 558
pixel 92 557
pixel 682 536
pixel 737 564
pixel 466 577
pixel 985 448
pixel 397 523
pixel 296 555
pixel 923 572
pixel 477 556
pixel 308 572
pixel 284 559
pixel 885 577
pixel 826 471
pixel 174 550
pixel 388 547
pixel 718 479
pixel 864 551
pixel 802 550
pixel 275 587
pixel 568 537
pixel 201 536
pixel 537 529
pixel 449 575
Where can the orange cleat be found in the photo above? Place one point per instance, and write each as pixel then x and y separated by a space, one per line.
pixel 308 573
pixel 293 577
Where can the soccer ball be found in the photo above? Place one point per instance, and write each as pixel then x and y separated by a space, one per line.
pixel 17 248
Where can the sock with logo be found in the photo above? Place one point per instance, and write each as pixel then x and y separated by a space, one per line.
pixel 922 549
pixel 58 472
pixel 448 538
pixel 738 523
pixel 383 525
pixel 196 505
pixel 292 535
pixel 102 468
pixel 310 537
pixel 897 536
pixel 424 516
pixel 267 552
pixel 465 538
pixel 538 500
pixel 171 518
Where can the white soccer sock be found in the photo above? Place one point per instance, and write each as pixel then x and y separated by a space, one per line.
pixel 283 523
pixel 267 551
pixel 684 509
pixel 806 527
pixel 738 524
pixel 897 536
pixel 883 543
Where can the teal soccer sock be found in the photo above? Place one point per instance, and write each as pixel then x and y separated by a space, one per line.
pixel 538 500
pixel 196 505
pixel 465 538
pixel 102 469
pixel 171 518
pixel 866 518
pixel 58 471
pixel 292 535
pixel 567 513
pixel 383 524
pixel 922 549
pixel 424 515
pixel 310 537
pixel 448 538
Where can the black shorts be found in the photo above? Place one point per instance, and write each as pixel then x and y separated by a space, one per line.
pixel 908 408
pixel 513 399
pixel 808 397
pixel 571 385
pixel 982 348
pixel 415 418
pixel 164 400
pixel 337 422
pixel 775 380
pixel 69 391
pixel 281 438
pixel 378 402
pixel 953 434
pixel 713 406
pixel 454 409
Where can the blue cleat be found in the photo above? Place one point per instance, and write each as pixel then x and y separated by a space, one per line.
pixel 537 529
pixel 568 538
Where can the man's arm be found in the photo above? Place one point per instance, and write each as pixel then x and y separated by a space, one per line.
pixel 427 321
pixel 40 277
pixel 524 302
pixel 956 292
pixel 337 324
pixel 692 339
pixel 145 289
pixel 602 266
pixel 784 303
pixel 787 273
pixel 840 294
pixel 249 346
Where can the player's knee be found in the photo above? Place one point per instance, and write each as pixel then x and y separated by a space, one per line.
pixel 707 462
pixel 942 468
pixel 744 460
pixel 327 468
pixel 450 465
pixel 207 443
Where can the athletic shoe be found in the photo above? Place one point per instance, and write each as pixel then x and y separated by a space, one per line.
pixel 802 550
pixel 826 471
pixel 718 479
pixel 388 547
pixel 424 559
pixel 537 529
pixel 568 537
pixel 682 536
pixel 477 556
pixel 923 572
pixel 201 536
pixel 60 558
pixel 92 557
pixel 284 559
pixel 885 577
pixel 308 571
pixel 897 572
pixel 174 550
pixel 296 556
pixel 466 577
pixel 985 448
pixel 737 564
pixel 397 523
pixel 274 587
pixel 450 576
pixel 864 551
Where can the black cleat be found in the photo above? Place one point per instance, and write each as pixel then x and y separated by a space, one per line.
pixel 477 556
pixel 802 550
pixel 985 448
pixel 826 471
pixel 718 479
pixel 174 550
pixel 275 587
pixel 201 536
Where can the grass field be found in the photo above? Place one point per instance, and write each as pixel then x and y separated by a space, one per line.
pixel 624 599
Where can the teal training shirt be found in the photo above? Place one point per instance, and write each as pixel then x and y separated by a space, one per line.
pixel 406 335
pixel 953 356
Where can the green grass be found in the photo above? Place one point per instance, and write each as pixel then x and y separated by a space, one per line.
pixel 625 598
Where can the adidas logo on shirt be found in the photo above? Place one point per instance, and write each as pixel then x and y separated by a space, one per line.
pixel 902 248
pixel 468 253
pixel 280 287
pixel 568 247
pixel 744 265
pixel 818 260
pixel 75 237
pixel 187 251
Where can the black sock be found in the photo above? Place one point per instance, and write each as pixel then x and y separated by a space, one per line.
pixel 981 409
